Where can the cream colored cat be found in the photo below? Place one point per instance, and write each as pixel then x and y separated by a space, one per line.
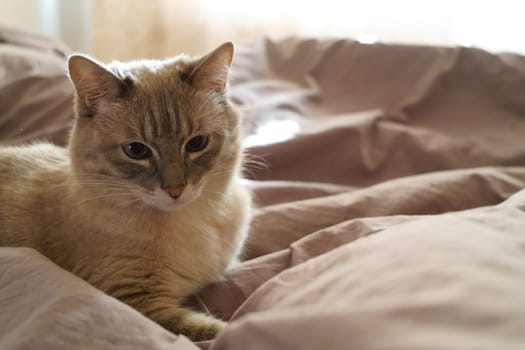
pixel 146 203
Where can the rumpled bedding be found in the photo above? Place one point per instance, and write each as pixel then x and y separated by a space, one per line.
pixel 390 203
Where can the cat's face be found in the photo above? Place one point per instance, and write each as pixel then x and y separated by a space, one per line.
pixel 154 133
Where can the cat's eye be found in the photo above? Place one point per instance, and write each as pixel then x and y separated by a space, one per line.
pixel 197 143
pixel 136 150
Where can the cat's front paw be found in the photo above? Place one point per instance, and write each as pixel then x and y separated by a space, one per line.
pixel 194 325
pixel 206 331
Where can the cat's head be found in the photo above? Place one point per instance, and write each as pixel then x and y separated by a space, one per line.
pixel 154 133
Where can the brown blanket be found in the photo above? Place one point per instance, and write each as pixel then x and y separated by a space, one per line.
pixel 390 210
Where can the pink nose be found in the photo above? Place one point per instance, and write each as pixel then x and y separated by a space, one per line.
pixel 175 191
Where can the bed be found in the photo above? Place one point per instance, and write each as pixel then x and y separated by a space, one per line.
pixel 389 183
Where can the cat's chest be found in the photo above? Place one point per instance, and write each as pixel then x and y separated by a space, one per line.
pixel 204 248
pixel 200 238
pixel 186 251
pixel 184 257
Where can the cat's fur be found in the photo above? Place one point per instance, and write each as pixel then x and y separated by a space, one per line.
pixel 102 215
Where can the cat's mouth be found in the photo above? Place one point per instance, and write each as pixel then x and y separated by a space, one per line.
pixel 159 199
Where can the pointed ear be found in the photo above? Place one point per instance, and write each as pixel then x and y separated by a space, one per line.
pixel 211 72
pixel 93 82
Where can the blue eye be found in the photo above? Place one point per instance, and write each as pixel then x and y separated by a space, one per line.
pixel 136 150
pixel 196 144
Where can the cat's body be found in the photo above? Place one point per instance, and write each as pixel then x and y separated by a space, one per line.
pixel 137 205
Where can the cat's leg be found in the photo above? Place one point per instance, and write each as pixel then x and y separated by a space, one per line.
pixel 160 304
pixel 180 320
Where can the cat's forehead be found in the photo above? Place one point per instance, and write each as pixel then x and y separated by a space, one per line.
pixel 161 105
pixel 161 94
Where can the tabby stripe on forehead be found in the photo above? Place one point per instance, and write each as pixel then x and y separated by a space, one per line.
pixel 186 125
pixel 142 129
pixel 165 116
pixel 157 117
pixel 151 127
pixel 141 124
pixel 177 120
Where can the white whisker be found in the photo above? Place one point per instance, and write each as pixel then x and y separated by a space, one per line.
pixel 111 195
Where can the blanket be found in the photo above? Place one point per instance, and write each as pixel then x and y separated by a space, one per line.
pixel 389 187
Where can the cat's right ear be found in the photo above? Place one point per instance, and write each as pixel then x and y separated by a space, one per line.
pixel 93 82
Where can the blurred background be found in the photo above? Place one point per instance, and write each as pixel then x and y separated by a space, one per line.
pixel 115 29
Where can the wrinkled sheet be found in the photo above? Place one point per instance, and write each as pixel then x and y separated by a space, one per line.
pixel 390 208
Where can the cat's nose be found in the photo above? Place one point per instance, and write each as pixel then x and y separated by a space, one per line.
pixel 174 191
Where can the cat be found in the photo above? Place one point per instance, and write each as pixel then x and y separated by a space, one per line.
pixel 146 203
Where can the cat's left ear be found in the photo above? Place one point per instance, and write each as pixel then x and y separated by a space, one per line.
pixel 211 72
pixel 93 82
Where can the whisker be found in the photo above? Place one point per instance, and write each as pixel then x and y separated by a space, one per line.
pixel 92 183
pixel 255 161
pixel 104 196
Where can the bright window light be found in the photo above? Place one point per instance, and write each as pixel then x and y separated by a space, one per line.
pixel 493 25
pixel 273 131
